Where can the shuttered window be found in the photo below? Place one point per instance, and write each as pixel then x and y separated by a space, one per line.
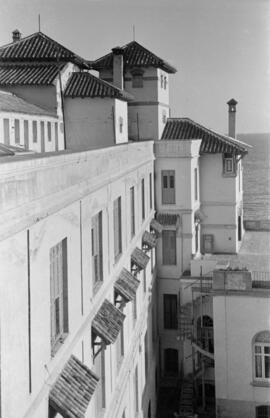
pixel 168 186
pixel 151 191
pixel 26 134
pixel 6 131
pixel 169 247
pixel 56 136
pixel 34 126
pixel 100 370
pixel 49 129
pixel 97 248
pixel 170 311
pixel 132 212
pixel 117 225
pixel 136 390
pixel 17 131
pixel 59 293
pixel 195 184
pixel 143 200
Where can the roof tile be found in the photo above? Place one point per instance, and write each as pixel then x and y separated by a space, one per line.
pixel 135 55
pixel 72 391
pixel 28 74
pixel 212 142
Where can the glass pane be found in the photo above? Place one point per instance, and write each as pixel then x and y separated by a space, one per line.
pixel 267 366
pixel 267 350
pixel 258 349
pixel 165 182
pixel 172 182
pixel 258 366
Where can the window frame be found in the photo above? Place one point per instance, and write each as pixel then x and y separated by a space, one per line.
pixel 143 198
pixel 171 259
pixel 261 341
pixel 132 212
pixel 229 158
pixel 117 228
pixel 97 249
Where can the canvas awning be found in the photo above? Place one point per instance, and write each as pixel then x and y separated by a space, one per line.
pixel 167 219
pixel 149 240
pixel 108 322
pixel 72 391
pixel 155 226
pixel 139 258
pixel 126 285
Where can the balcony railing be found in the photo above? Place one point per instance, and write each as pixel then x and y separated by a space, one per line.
pixel 261 279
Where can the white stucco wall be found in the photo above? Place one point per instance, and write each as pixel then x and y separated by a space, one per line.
pixel 94 122
pixel 59 196
pixel 234 329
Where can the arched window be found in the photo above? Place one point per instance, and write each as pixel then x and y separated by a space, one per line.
pixel 261 355
pixel 263 411
pixel 205 334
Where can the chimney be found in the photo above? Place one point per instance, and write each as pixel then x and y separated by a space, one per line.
pixel 16 35
pixel 232 119
pixel 118 67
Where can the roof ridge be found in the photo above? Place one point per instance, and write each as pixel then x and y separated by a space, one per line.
pixel 19 41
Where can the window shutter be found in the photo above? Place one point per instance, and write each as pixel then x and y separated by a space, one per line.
pixel 115 227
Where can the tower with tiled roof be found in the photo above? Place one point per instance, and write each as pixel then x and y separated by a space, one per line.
pixel 146 77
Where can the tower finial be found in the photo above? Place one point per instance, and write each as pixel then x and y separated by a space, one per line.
pixel 39 22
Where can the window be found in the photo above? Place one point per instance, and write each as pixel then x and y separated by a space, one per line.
pixel 164 116
pixel 34 125
pixel 195 183
pixel 170 311
pixel 49 128
pixel 100 370
pixel 171 362
pixel 261 352
pixel 263 411
pixel 161 81
pixel 56 136
pixel 132 211
pixel 205 335
pixel 143 200
pixel 136 390
pixel 151 191
pixel 17 131
pixel 117 225
pixel 229 164
pixel 121 122
pixel 59 293
pixel 146 354
pixel 165 83
pixel 6 132
pixel 137 80
pixel 169 247
pixel 168 186
pixel 97 249
pixel 26 134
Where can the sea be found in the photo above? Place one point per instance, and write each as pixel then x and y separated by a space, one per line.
pixel 256 176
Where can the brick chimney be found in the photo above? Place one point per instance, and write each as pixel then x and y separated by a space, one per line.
pixel 16 35
pixel 232 117
pixel 118 67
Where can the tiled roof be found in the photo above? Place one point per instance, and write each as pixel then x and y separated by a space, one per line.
pixel 167 219
pixel 108 322
pixel 39 47
pixel 11 103
pixel 135 55
pixel 212 142
pixel 156 226
pixel 28 74
pixel 139 258
pixel 149 240
pixel 84 84
pixel 126 285
pixel 72 391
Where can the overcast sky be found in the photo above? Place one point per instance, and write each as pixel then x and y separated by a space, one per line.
pixel 220 47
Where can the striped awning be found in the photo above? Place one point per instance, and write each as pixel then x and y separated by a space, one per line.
pixel 72 391
pixel 156 226
pixel 139 258
pixel 149 240
pixel 167 219
pixel 108 322
pixel 126 285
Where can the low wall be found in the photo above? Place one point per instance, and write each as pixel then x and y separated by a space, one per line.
pixel 258 225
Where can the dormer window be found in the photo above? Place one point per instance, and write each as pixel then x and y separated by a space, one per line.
pixel 137 78
pixel 229 164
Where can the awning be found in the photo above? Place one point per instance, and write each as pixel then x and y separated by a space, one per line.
pixel 108 322
pixel 167 219
pixel 149 240
pixel 155 226
pixel 72 391
pixel 139 258
pixel 126 285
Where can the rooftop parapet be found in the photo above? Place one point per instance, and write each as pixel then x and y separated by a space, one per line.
pixel 232 280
